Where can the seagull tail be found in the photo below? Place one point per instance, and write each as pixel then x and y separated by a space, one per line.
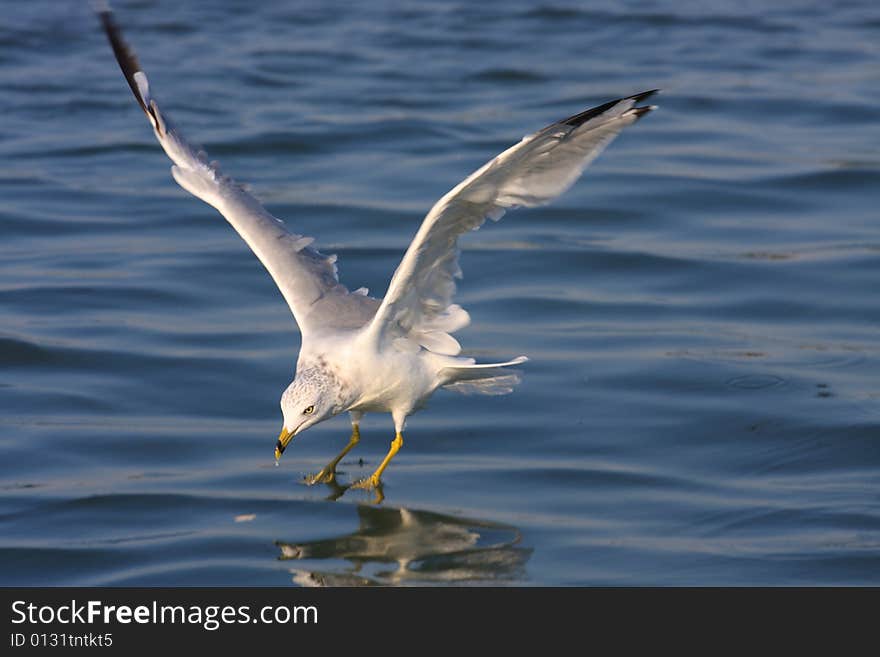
pixel 482 379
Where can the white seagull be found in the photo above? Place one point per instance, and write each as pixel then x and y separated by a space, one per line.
pixel 360 354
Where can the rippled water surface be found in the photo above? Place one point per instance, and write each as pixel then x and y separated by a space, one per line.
pixel 702 404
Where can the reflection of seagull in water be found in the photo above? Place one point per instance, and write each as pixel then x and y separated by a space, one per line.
pixel 427 547
pixel 361 354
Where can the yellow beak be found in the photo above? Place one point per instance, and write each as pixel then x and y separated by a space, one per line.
pixel 281 445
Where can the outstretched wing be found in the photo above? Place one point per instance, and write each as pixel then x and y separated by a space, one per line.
pixel 533 172
pixel 307 279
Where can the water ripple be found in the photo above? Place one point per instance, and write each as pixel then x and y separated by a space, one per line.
pixel 702 402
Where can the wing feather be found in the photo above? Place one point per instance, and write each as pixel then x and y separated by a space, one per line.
pixel 307 279
pixel 536 170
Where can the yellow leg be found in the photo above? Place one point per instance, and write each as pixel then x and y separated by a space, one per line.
pixel 328 474
pixel 374 480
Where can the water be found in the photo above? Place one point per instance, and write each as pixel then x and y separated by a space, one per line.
pixel 703 402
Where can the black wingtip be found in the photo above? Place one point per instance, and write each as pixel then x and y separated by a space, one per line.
pixel 643 96
pixel 641 111
pixel 124 55
pixel 586 115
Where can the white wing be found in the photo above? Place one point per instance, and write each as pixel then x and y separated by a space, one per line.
pixel 307 279
pixel 534 171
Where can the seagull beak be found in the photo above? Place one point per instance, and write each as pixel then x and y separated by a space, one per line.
pixel 283 439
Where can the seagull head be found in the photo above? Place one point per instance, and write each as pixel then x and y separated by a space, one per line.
pixel 309 399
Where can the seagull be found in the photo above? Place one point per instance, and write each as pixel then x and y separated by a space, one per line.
pixel 358 353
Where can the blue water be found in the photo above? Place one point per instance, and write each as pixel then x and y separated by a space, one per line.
pixel 702 404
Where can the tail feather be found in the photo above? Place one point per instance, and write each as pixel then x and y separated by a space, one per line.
pixel 492 385
pixel 483 378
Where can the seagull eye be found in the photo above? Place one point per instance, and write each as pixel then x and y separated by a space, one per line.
pixel 309 410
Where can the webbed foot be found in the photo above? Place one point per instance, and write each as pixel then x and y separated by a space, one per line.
pixel 372 483
pixel 325 476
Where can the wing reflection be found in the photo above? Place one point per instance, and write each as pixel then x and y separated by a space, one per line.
pixel 423 548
